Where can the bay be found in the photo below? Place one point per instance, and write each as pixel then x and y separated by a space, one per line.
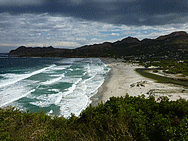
pixel 58 86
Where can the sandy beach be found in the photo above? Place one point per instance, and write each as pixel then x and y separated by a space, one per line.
pixel 123 79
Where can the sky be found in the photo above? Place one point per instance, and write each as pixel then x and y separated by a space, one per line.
pixel 74 23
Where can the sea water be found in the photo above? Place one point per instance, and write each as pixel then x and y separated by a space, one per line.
pixel 57 86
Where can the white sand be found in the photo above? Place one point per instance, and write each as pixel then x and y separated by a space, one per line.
pixel 124 80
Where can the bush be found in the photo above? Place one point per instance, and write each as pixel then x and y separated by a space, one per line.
pixel 123 118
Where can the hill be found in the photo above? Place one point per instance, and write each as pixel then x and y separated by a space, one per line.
pixel 174 45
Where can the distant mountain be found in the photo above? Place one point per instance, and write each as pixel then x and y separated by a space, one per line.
pixel 174 45
pixel 172 35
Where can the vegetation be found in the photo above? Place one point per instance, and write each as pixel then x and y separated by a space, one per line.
pixel 170 66
pixel 128 118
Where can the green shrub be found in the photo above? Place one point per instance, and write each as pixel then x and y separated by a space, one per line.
pixel 123 118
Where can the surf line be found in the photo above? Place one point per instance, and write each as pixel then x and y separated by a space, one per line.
pixel 26 76
pixel 17 98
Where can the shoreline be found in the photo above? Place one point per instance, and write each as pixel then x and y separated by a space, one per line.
pixel 97 98
pixel 122 79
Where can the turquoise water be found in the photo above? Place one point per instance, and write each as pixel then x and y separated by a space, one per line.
pixel 55 85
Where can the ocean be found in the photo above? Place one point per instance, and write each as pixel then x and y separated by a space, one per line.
pixel 57 86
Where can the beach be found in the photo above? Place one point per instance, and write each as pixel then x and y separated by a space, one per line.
pixel 123 79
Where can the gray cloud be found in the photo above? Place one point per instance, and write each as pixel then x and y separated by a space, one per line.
pixel 45 30
pixel 128 12
pixel 13 3
pixel 73 23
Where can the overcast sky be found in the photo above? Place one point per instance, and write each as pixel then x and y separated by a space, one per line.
pixel 74 23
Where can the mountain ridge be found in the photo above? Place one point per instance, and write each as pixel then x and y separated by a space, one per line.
pixel 171 45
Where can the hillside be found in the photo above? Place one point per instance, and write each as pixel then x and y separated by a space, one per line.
pixel 125 118
pixel 174 45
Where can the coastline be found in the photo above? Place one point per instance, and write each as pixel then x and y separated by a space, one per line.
pixel 97 98
pixel 123 79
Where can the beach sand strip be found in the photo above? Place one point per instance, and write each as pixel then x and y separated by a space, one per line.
pixel 123 79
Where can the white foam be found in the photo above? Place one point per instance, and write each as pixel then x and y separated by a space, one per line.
pixel 83 85
pixel 70 60
pixel 50 112
pixel 47 100
pixel 79 99
pixel 53 90
pixel 68 79
pixel 74 105
pixel 90 86
pixel 52 81
pixel 58 99
pixel 71 69
pixel 41 103
pixel 84 73
pixel 18 78
pixel 72 88
pixel 42 97
pixel 88 68
pixel 61 67
pixel 54 75
pixel 16 98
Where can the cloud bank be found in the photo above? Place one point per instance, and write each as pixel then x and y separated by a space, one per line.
pixel 73 23
pixel 129 12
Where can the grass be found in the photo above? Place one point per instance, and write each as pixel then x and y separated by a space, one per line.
pixel 160 79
